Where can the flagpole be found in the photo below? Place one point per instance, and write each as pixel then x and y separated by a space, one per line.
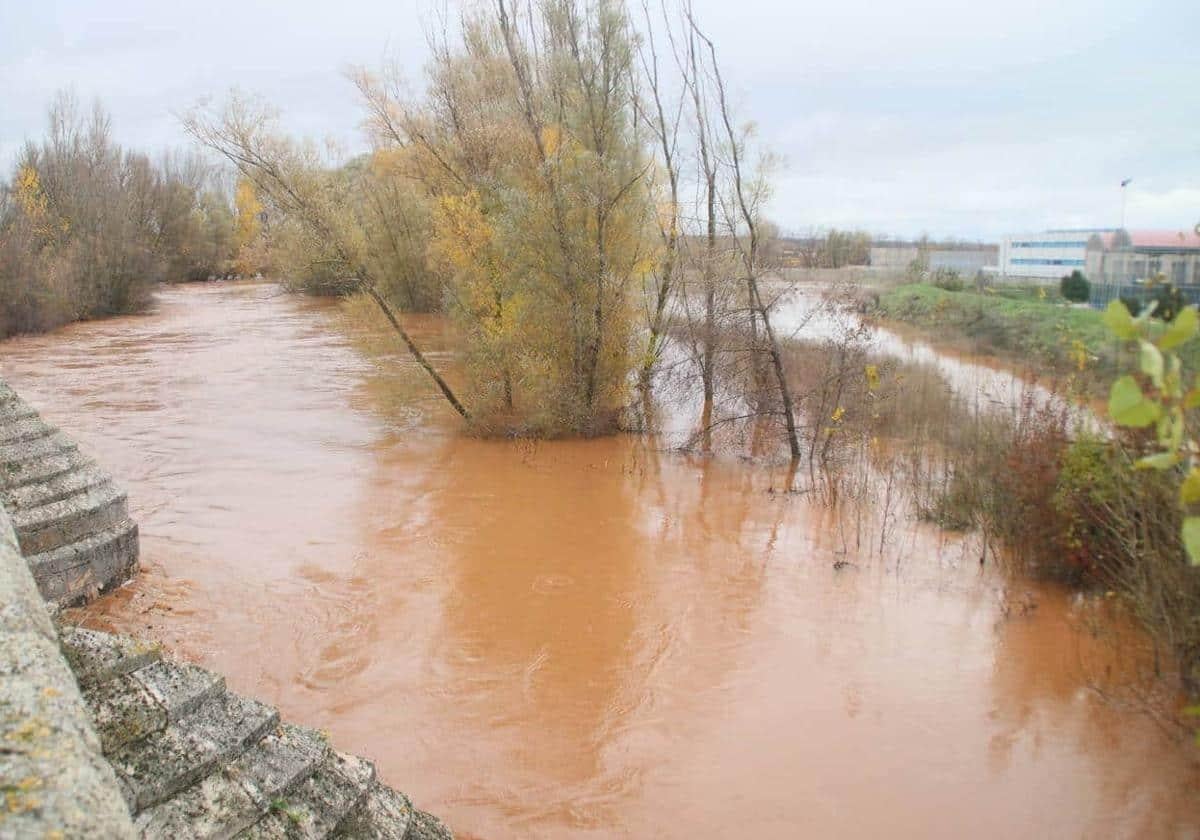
pixel 1124 184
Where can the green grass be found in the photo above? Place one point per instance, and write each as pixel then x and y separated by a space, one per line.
pixel 1012 324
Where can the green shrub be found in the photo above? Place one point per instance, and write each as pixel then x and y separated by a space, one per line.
pixel 1133 304
pixel 917 270
pixel 948 280
pixel 1088 486
pixel 1168 299
pixel 1075 287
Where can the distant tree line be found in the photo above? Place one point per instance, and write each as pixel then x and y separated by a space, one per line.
pixel 87 227
pixel 832 249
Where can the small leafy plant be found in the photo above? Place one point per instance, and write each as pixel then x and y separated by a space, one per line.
pixel 1159 398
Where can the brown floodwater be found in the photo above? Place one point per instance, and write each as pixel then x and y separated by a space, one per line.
pixel 585 639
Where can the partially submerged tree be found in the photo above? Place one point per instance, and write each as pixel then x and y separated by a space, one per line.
pixel 302 187
pixel 747 228
pixel 527 143
pixel 662 115
pixel 534 191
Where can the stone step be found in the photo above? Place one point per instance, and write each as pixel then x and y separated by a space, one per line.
pixel 194 760
pixel 45 468
pixel 155 768
pixel 386 814
pixel 336 789
pixel 237 797
pixel 54 489
pixel 49 526
pixel 97 657
pixel 16 454
pixel 147 700
pixel 27 428
pixel 424 826
pixel 15 410
pixel 74 573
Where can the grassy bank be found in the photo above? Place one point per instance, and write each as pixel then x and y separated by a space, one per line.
pixel 1015 325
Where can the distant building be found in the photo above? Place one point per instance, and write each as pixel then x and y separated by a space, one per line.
pixel 1121 257
pixel 1045 256
pixel 965 259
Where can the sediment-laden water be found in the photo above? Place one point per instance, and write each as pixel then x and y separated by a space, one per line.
pixel 583 639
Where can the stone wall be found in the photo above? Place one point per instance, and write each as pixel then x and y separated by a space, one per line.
pixel 71 521
pixel 102 735
pixel 54 780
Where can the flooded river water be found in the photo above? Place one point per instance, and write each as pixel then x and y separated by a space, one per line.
pixel 580 639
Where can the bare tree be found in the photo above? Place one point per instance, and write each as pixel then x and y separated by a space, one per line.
pixel 663 120
pixel 746 231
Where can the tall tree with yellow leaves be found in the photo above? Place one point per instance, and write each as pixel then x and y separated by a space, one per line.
pixel 248 227
pixel 543 229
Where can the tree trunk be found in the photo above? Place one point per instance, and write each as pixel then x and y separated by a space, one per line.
pixel 416 353
pixel 785 393
pixel 708 360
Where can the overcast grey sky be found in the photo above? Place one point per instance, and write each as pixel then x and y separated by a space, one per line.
pixel 952 117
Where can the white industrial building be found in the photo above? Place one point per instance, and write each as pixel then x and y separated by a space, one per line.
pixel 1047 255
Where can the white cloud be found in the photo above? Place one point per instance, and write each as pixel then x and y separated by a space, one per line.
pixel 928 115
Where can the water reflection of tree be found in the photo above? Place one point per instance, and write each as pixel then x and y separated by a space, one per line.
pixel 582 577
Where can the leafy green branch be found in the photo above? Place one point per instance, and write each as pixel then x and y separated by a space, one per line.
pixel 1159 398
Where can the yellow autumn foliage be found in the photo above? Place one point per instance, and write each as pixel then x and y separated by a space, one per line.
pixel 248 225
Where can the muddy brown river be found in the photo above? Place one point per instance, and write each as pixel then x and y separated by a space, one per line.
pixel 584 639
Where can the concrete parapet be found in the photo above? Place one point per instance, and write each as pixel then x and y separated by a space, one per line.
pixel 54 779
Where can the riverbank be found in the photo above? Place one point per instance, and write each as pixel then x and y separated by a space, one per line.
pixel 1038 478
pixel 1052 339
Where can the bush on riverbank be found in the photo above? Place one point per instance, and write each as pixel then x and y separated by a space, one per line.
pixel 1047 496
pixel 1071 505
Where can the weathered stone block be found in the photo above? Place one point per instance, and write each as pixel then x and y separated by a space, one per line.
pixel 426 826
pixel 70 483
pixel 166 762
pixel 227 802
pixel 55 780
pixel 179 688
pixel 15 474
pixel 20 453
pixel 50 526
pixel 75 573
pixel 96 657
pixel 12 410
pixel 215 807
pixel 25 428
pixel 385 815
pixel 338 787
pixel 123 711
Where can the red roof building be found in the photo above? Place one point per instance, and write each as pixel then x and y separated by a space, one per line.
pixel 1130 256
